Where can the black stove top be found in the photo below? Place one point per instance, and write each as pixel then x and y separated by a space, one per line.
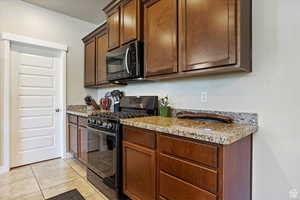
pixel 118 115
pixel 131 107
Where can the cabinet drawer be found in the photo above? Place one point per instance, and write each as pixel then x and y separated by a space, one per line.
pixel 198 152
pixel 175 189
pixel 82 121
pixel 73 119
pixel 139 136
pixel 189 172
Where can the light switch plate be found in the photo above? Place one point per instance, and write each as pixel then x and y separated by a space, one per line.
pixel 203 97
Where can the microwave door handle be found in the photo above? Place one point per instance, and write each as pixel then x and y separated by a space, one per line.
pixel 126 60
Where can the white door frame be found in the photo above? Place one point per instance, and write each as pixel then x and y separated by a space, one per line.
pixel 5 48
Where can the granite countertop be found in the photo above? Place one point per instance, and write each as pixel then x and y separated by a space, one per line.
pixel 79 110
pixel 215 132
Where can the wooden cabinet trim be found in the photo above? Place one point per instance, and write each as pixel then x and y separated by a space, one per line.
pixel 102 29
pixel 112 7
pixel 236 167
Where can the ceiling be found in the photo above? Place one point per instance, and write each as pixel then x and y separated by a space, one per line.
pixel 87 10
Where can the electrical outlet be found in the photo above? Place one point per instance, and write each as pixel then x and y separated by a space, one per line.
pixel 293 194
pixel 203 97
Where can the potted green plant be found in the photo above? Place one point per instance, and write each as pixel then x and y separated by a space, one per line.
pixel 164 108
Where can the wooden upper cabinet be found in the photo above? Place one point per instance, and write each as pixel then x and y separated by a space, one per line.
pixel 96 44
pixel 113 22
pixel 207 34
pixel 129 20
pixel 89 72
pixel 160 35
pixel 101 67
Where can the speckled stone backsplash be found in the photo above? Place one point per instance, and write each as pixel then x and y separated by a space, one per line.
pixel 238 117
pixel 77 107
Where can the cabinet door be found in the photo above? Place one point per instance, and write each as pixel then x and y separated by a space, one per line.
pixel 90 57
pixel 101 69
pixel 113 23
pixel 160 37
pixel 129 21
pixel 73 139
pixel 139 172
pixel 207 33
pixel 83 143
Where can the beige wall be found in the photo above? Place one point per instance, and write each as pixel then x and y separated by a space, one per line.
pixel 25 19
pixel 272 91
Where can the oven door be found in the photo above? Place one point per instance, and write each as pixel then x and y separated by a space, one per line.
pixel 124 62
pixel 102 155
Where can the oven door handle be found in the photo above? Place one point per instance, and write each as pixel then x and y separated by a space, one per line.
pixel 101 132
pixel 126 60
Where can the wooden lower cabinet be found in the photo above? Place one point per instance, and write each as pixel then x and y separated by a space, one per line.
pixel 177 168
pixel 73 139
pixel 78 137
pixel 83 144
pixel 139 171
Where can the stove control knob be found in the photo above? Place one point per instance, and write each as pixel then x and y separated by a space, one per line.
pixel 109 125
pixel 104 124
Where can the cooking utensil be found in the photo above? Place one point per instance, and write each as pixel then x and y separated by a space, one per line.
pixel 105 103
pixel 91 102
pixel 117 95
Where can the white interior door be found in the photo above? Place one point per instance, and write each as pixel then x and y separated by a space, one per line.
pixel 35 95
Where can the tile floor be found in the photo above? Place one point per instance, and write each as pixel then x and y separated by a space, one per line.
pixel 47 179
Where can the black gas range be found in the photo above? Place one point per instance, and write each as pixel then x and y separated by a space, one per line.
pixel 105 142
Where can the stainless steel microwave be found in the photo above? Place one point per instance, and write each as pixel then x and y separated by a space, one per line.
pixel 126 62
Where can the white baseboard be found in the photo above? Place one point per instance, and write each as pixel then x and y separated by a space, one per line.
pixel 4 170
pixel 68 155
